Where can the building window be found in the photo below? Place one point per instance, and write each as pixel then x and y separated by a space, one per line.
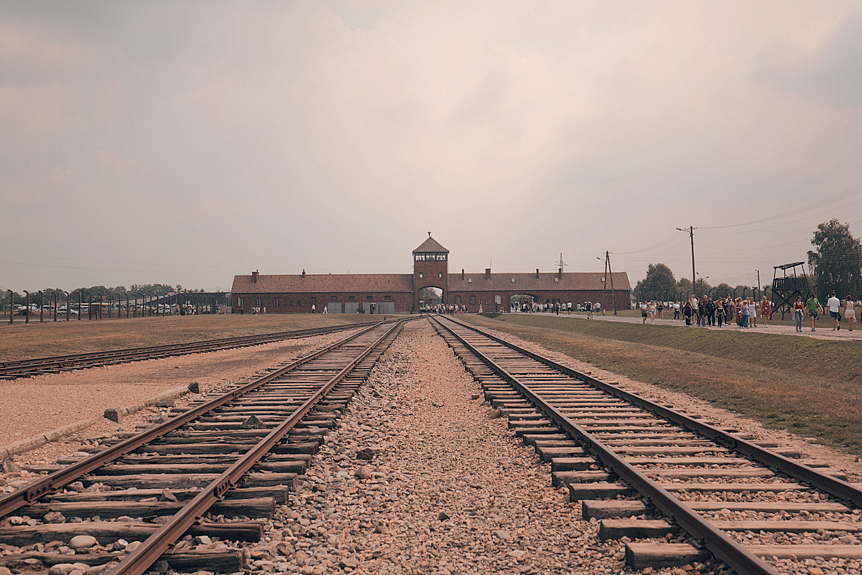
pixel 368 298
pixel 335 298
pixel 498 299
pixel 259 301
pixel 275 301
pixel 419 257
pixel 240 301
pixel 457 300
pixel 472 300
pixel 556 280
pixel 469 280
pixel 441 257
pixel 513 280
pixel 421 275
pixel 387 298
pixel 439 274
pixel 313 301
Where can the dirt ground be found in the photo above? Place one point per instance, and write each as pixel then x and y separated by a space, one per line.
pixel 35 405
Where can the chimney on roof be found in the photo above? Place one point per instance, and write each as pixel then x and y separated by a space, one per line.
pixel 537 273
pixel 303 273
pixel 462 273
pixel 254 275
pixel 487 273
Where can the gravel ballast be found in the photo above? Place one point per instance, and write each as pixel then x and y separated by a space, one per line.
pixel 419 478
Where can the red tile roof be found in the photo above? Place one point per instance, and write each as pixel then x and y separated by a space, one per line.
pixel 430 245
pixel 574 281
pixel 323 283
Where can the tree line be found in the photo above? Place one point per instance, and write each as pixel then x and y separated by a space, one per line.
pixel 835 263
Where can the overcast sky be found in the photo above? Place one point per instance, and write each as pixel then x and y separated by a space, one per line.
pixel 187 142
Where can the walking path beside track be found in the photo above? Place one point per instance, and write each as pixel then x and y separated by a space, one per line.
pixel 823 331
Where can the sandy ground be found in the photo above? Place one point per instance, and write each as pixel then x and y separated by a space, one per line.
pixel 35 405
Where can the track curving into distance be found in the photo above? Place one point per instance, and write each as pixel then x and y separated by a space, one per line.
pixel 46 365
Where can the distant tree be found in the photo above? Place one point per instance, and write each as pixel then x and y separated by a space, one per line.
pixel 703 287
pixel 723 290
pixel 685 288
pixel 836 262
pixel 659 281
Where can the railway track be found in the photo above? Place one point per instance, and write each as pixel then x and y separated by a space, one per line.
pixel 185 491
pixel 679 489
pixel 47 365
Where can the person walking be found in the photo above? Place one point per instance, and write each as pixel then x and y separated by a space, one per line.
pixel 693 301
pixel 710 312
pixel 765 310
pixel 746 314
pixel 752 312
pixel 687 312
pixel 676 308
pixel 814 308
pixel 652 310
pixel 833 304
pixel 798 312
pixel 849 311
pixel 719 311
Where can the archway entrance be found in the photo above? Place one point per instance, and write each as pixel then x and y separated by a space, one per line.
pixel 429 297
pixel 521 302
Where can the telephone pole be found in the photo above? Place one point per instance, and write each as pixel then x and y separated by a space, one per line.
pixel 690 231
pixel 609 273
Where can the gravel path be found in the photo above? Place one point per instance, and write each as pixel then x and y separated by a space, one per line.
pixel 448 489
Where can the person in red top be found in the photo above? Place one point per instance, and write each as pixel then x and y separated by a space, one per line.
pixel 798 312
pixel 765 310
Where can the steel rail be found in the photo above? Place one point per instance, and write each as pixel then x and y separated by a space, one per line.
pixel 718 542
pixel 139 560
pixel 831 485
pixel 10 368
pixel 22 497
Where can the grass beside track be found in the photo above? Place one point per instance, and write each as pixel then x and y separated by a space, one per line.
pixel 27 341
pixel 807 386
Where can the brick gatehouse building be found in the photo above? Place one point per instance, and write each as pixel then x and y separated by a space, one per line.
pixel 400 293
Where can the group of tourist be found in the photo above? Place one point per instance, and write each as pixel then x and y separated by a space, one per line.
pixel 837 309
pixel 744 312
pixel 706 311
pixel 558 307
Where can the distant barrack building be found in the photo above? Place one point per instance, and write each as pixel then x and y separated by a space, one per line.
pixel 400 293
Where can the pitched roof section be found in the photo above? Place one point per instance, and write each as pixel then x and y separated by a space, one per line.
pixel 575 281
pixel 430 245
pixel 323 283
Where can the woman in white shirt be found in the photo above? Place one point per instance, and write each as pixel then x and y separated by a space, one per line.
pixel 849 311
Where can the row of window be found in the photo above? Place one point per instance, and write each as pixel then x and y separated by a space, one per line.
pixel 276 301
pixel 439 275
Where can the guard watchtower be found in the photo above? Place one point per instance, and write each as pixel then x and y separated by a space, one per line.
pixel 785 289
pixel 430 269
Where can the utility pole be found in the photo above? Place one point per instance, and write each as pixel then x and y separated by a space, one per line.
pixel 758 283
pixel 690 231
pixel 610 274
